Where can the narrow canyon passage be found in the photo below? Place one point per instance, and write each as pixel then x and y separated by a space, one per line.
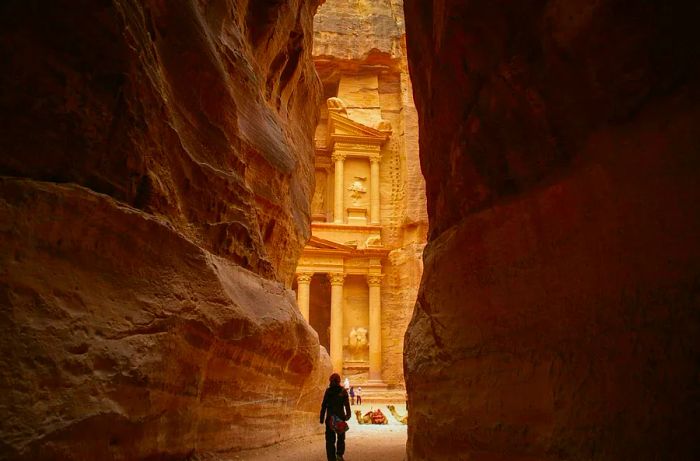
pixel 171 172
pixel 209 206
pixel 363 442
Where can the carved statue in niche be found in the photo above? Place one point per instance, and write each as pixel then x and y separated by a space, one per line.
pixel 357 188
pixel 337 105
pixel 318 202
pixel 357 343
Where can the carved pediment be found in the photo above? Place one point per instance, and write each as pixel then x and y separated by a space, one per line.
pixel 343 129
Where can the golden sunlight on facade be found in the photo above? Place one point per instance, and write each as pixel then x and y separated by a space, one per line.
pixel 358 276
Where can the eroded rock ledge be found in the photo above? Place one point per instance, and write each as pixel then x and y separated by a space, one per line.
pixel 558 313
pixel 156 172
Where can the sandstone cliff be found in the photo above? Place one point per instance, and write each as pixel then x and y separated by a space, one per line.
pixel 348 30
pixel 156 173
pixel 558 314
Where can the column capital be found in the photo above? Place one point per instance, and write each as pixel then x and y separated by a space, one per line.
pixel 336 278
pixel 304 277
pixel 375 158
pixel 374 280
pixel 338 156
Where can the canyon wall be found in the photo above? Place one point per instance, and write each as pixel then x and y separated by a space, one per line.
pixel 360 55
pixel 155 182
pixel 558 316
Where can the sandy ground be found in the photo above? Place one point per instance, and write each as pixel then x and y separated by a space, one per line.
pixel 365 442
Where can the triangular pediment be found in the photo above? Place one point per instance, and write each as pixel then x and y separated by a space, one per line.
pixel 339 124
pixel 323 244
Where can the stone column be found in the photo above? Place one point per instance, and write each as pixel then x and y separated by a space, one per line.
pixel 336 351
pixel 339 190
pixel 375 327
pixel 374 189
pixel 303 290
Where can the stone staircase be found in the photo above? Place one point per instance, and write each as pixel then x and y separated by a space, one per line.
pixel 378 392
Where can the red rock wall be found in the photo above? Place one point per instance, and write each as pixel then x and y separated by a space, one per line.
pixel 558 316
pixel 156 171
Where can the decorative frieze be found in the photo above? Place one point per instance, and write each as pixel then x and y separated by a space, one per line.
pixel 357 148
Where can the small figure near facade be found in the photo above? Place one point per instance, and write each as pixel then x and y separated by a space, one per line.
pixel 335 410
pixel 358 395
pixel 352 395
pixel 346 384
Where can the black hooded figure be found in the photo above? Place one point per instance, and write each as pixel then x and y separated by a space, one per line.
pixel 335 403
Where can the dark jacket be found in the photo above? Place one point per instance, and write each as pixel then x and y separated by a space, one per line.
pixel 335 402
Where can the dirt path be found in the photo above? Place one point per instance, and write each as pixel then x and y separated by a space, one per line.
pixel 363 442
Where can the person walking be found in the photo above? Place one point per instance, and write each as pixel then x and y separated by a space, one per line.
pixel 352 395
pixel 358 395
pixel 335 403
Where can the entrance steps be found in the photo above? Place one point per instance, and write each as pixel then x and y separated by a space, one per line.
pixel 379 392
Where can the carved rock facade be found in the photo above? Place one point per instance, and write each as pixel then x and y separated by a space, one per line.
pixel 369 216
pixel 157 166
pixel 558 315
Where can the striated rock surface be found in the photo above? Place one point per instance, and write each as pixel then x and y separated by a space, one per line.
pixel 157 164
pixel 195 112
pixel 558 314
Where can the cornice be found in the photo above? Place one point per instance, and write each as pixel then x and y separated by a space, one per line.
pixel 352 253
pixel 345 227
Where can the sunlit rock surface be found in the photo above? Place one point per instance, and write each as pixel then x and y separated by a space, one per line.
pixel 156 177
pixel 558 317
pixel 350 29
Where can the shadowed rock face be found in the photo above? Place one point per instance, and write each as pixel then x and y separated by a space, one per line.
pixel 558 315
pixel 156 172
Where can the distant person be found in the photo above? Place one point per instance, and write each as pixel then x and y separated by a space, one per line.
pixel 352 395
pixel 347 383
pixel 358 395
pixel 335 406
